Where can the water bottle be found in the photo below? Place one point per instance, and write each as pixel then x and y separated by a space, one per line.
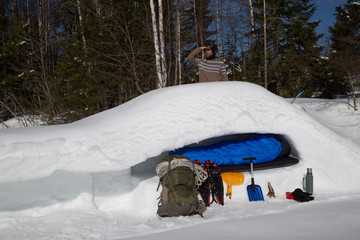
pixel 309 181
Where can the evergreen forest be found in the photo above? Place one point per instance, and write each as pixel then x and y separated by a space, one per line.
pixel 63 60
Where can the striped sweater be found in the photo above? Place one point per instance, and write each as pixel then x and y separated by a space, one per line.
pixel 209 70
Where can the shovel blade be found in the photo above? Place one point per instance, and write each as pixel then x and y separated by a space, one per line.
pixel 255 193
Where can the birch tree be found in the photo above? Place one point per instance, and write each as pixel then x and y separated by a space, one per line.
pixel 159 44
pixel 162 45
pixel 156 45
pixel 252 23
pixel 81 24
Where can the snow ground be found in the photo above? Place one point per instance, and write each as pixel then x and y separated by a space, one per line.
pixel 330 219
pixel 73 181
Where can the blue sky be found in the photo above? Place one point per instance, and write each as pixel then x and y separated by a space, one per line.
pixel 325 12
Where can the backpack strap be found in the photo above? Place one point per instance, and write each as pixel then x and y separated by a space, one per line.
pixel 200 173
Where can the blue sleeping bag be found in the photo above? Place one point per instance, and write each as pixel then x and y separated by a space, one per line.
pixel 264 148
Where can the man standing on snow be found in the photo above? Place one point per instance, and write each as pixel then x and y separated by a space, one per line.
pixel 210 68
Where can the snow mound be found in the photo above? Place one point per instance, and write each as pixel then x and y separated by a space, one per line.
pixel 74 181
pixel 169 118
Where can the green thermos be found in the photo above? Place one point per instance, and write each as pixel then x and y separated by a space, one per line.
pixel 309 181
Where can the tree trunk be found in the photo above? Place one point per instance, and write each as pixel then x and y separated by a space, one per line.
pixel 196 25
pixel 232 32
pixel 265 48
pixel 244 56
pixel 47 34
pixel 41 38
pixel 14 12
pixel 252 20
pixel 201 25
pixel 81 25
pixel 42 48
pixel 156 45
pixel 352 90
pixel 170 36
pixel 28 13
pixel 178 45
pixel 162 45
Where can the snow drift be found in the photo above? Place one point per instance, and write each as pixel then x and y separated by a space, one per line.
pixel 74 181
pixel 170 118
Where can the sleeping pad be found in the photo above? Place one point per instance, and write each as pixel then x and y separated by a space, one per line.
pixel 264 148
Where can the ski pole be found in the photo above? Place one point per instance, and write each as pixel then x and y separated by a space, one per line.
pixel 308 84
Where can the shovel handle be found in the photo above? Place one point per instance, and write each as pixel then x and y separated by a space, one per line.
pixel 251 165
pixel 252 184
pixel 249 158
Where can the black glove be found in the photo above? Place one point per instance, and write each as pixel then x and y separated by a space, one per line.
pixel 301 196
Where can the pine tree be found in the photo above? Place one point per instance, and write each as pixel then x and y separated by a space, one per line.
pixel 118 63
pixel 345 37
pixel 291 46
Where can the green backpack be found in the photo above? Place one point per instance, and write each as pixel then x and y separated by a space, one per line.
pixel 179 178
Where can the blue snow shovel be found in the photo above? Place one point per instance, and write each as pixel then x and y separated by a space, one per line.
pixel 254 191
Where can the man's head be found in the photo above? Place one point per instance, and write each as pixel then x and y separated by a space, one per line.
pixel 210 51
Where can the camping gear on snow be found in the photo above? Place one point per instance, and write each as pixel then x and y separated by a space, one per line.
pixel 254 191
pixel 283 160
pixel 213 185
pixel 264 148
pixel 230 179
pixel 179 178
pixel 308 181
pixel 299 195
pixel 271 192
pixel 216 183
pixel 289 196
